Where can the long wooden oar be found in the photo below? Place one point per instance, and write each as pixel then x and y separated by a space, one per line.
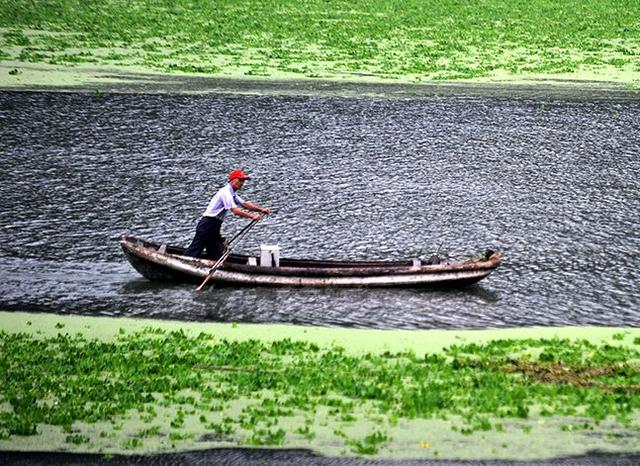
pixel 220 261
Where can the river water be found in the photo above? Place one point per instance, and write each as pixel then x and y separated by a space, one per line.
pixel 551 182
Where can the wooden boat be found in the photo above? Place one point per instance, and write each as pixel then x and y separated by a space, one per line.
pixel 166 263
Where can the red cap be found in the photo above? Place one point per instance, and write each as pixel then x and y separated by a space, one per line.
pixel 238 175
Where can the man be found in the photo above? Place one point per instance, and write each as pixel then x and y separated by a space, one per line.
pixel 208 228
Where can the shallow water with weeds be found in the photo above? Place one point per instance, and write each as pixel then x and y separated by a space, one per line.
pixel 158 390
pixel 413 40
pixel 552 183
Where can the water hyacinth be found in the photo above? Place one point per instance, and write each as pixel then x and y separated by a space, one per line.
pixel 69 379
pixel 382 39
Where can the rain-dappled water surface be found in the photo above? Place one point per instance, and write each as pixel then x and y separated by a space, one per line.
pixel 553 184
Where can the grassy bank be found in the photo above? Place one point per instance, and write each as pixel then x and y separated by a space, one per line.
pixel 113 385
pixel 408 41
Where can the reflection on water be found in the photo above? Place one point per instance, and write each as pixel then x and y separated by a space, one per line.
pixel 553 184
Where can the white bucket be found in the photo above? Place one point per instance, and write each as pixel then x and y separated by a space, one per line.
pixel 269 255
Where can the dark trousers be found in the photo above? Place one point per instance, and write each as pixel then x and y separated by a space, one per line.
pixel 207 237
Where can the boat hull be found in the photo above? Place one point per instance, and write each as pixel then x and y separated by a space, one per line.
pixel 160 263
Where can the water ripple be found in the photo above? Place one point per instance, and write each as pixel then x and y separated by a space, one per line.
pixel 553 184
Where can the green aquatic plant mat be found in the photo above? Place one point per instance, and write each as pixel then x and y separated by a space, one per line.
pixel 156 389
pixel 381 39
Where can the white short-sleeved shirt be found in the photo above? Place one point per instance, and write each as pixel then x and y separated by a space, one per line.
pixel 224 200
